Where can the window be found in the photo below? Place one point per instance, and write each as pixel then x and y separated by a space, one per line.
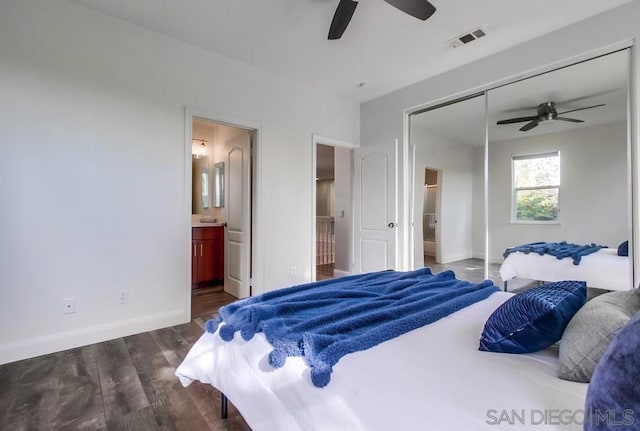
pixel 536 186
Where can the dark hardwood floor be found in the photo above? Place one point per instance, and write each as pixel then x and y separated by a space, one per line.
pixel 123 384
pixel 324 272
pixel 207 299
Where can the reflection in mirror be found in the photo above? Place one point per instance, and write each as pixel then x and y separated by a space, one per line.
pixel 219 185
pixel 205 188
pixel 200 198
pixel 558 171
pixel 448 197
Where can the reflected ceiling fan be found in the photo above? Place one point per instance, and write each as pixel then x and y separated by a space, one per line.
pixel 420 9
pixel 546 112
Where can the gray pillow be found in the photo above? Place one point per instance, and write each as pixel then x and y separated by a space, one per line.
pixel 590 331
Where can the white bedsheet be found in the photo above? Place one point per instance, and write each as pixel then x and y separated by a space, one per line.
pixel 431 378
pixel 603 269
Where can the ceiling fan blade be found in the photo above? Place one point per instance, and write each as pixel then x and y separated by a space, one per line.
pixel 582 109
pixel 571 120
pixel 517 120
pixel 589 96
pixel 529 126
pixel 341 18
pixel 420 9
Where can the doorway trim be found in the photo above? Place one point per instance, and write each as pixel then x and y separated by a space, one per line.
pixel 324 140
pixel 257 267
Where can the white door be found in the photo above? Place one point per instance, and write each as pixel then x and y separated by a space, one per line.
pixel 237 212
pixel 375 209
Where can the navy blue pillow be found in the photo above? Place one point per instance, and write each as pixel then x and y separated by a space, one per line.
pixel 613 396
pixel 623 249
pixel 534 319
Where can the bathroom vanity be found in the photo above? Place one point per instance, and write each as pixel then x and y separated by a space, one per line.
pixel 207 254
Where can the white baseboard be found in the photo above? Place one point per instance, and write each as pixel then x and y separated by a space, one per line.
pixel 44 345
pixel 338 273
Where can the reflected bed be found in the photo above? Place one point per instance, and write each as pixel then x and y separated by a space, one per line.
pixel 603 269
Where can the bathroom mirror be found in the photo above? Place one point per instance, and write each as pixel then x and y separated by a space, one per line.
pixel 219 185
pixel 201 186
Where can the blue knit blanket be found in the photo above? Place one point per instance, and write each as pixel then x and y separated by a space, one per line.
pixel 560 250
pixel 326 320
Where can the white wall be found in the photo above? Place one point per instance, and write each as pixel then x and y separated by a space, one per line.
pixel 593 193
pixel 455 161
pixel 342 204
pixel 382 120
pixel 92 181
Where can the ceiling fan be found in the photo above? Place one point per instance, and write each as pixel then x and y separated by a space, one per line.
pixel 546 112
pixel 420 9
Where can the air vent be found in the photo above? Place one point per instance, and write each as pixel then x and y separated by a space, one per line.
pixel 463 39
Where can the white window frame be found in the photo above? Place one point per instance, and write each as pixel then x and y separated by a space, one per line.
pixel 515 190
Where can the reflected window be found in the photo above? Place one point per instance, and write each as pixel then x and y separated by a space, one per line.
pixel 219 185
pixel 536 188
pixel 205 188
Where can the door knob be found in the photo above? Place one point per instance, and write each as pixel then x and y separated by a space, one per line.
pixel 392 225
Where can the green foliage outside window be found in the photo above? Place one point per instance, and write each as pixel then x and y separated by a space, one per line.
pixel 536 185
pixel 537 205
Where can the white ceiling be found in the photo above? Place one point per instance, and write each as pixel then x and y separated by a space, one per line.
pixel 383 47
pixel 602 80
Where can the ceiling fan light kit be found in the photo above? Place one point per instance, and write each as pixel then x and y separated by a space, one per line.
pixel 420 9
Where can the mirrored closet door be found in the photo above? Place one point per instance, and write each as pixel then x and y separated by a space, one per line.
pixel 448 143
pixel 558 170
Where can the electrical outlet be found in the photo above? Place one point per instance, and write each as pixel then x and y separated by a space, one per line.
pixel 124 297
pixel 69 305
pixel 292 270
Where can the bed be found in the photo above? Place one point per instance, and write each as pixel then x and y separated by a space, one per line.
pixel 603 269
pixel 432 377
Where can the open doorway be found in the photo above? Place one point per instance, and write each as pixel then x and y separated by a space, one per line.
pixel 325 212
pixel 430 215
pixel 332 208
pixel 222 184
